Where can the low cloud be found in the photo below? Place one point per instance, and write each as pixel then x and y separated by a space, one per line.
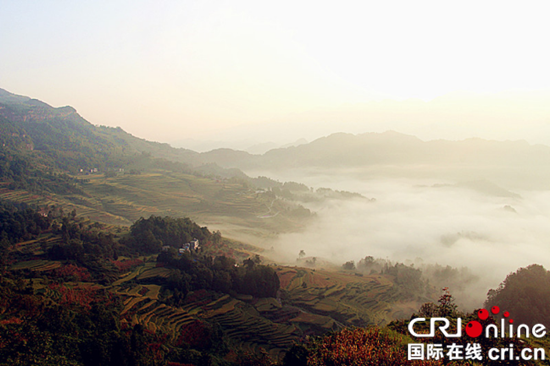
pixel 427 222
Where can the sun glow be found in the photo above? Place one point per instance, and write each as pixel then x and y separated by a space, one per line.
pixel 172 65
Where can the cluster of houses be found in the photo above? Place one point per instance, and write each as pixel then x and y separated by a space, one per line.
pixel 193 245
pixel 187 247
pixel 96 170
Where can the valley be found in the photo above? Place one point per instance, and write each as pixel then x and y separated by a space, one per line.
pixel 95 223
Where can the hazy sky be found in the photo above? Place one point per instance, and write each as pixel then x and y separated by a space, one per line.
pixel 177 69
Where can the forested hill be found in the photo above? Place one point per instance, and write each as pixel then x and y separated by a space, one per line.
pixel 53 156
pixel 60 138
pixel 40 143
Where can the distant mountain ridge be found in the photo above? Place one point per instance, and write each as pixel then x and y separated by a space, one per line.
pixel 392 148
pixel 63 138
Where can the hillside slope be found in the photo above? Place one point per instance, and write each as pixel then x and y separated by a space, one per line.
pixel 53 156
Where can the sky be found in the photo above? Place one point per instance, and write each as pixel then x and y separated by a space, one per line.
pixel 177 70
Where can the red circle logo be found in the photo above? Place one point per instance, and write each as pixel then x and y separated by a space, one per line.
pixel 474 329
pixel 482 314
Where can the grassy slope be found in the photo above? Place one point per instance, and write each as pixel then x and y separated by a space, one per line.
pixel 217 204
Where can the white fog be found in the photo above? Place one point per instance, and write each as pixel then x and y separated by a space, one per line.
pixel 425 222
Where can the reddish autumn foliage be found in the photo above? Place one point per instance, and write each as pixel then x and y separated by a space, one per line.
pixel 155 349
pixel 126 265
pixel 12 320
pixel 20 306
pixel 364 347
pixel 72 272
pixel 196 335
pixel 82 296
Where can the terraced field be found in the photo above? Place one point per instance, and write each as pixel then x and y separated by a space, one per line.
pixel 35 246
pixel 241 322
pixel 141 306
pixel 315 302
pixel 252 323
pixel 37 265
pixel 135 273
pixel 346 297
pixel 121 200
pixel 86 206
pixel 18 195
pixel 252 331
pixel 162 193
pixel 155 272
pixel 218 204
pixel 312 302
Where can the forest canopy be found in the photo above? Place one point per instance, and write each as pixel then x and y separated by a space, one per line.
pixel 525 294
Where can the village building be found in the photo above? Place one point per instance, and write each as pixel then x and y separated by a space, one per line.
pixel 192 245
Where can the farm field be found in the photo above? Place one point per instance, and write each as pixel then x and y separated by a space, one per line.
pixel 36 265
pixel 220 204
pixel 328 301
pixel 345 297
pixel 86 206
pixel 168 193
pixel 121 200
pixel 241 321
pixel 312 302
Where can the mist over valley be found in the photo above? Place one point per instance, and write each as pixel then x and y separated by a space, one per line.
pixel 344 230
pixel 477 204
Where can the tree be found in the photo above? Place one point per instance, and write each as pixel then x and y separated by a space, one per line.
pixel 216 237
pixel 223 263
pixel 447 306
pixel 222 281
pixel 4 246
pixel 349 266
pixel 525 294
pixel 428 310
pixel 296 356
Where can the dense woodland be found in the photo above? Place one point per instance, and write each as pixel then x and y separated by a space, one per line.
pixel 525 294
pixel 195 270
